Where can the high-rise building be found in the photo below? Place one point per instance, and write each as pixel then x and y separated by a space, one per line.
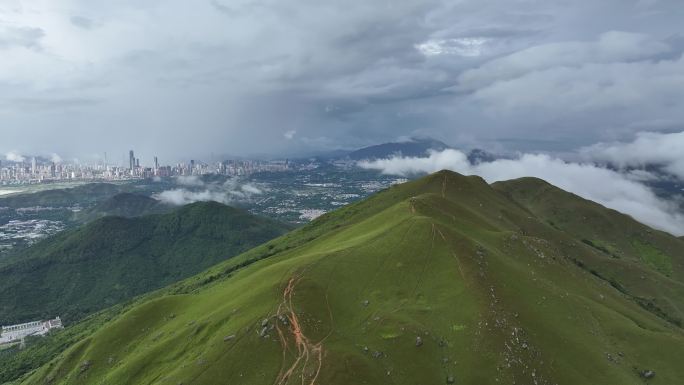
pixel 131 159
pixel 33 165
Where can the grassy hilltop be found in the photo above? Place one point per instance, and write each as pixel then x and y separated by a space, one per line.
pixel 127 205
pixel 441 280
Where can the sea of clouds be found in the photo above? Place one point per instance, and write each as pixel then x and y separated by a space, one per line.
pixel 603 173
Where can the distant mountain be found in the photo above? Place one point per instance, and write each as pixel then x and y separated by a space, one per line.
pixel 477 156
pixel 127 205
pixel 113 259
pixel 441 280
pixel 415 147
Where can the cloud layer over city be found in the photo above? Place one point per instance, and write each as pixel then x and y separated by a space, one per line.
pixel 181 79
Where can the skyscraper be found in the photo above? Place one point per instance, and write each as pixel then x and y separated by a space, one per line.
pixel 131 159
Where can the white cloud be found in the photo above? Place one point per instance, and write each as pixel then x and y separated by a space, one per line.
pixel 289 135
pixel 604 186
pixel 182 196
pixel 55 158
pixel 189 180
pixel 14 156
pixel 648 148
pixel 227 193
pixel 251 189
pixel 467 46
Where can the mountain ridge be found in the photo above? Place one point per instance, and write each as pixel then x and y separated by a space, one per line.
pixel 415 147
pixel 445 279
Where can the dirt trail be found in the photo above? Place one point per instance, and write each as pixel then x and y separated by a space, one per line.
pixel 308 355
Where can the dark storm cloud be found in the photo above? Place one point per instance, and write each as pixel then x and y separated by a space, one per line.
pixel 183 79
pixel 25 37
pixel 82 22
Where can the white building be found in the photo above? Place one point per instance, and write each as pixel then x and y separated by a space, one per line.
pixel 37 328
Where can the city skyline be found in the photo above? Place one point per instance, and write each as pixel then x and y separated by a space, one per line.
pixel 35 169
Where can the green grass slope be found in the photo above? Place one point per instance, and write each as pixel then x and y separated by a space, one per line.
pixel 112 259
pixel 438 281
pixel 645 264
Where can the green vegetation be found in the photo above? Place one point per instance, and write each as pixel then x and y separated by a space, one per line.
pixel 113 259
pixel 603 247
pixel 441 280
pixel 653 257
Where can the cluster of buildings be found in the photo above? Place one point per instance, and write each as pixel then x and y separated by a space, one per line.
pixel 39 170
pixel 16 333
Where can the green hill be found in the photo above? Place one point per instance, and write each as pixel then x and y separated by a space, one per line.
pixel 443 280
pixel 126 205
pixel 112 259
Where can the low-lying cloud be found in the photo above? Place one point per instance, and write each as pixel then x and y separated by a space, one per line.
pixel 664 150
pixel 610 188
pixel 189 180
pixel 194 189
pixel 14 156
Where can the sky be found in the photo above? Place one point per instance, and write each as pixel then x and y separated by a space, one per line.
pixel 181 79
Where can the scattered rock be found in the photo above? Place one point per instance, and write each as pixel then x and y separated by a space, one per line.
pixel 377 354
pixel 366 303
pixel 647 374
pixel 263 331
pixel 264 322
pixel 228 338
pixel 451 380
pixel 85 365
pixel 419 341
pixel 365 349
